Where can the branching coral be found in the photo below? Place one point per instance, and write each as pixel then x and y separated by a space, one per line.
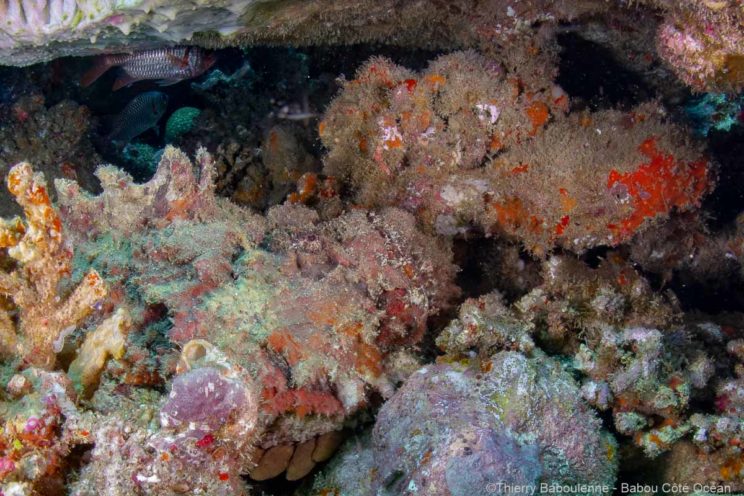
pixel 45 316
pixel 467 144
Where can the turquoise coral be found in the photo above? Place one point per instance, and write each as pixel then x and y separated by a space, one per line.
pixel 180 122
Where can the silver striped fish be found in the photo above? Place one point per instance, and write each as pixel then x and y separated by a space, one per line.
pixel 169 65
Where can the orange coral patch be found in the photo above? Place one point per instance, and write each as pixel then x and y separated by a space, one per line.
pixel 423 119
pixel 657 186
pixel 560 228
pixel 436 79
pixel 495 144
pixel 352 329
pixel 92 279
pixel 368 359
pixel 39 196
pixel 655 439
pixel 561 102
pixel 304 402
pixel 283 342
pixel 512 214
pixel 11 235
pixel 14 181
pixel 363 147
pixel 539 114
pixel 324 314
pixel 306 187
pixel 732 468
pixel 394 142
pixel 408 270
pixel 568 203
pixel 675 382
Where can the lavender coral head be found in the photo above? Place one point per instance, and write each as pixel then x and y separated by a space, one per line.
pixel 203 401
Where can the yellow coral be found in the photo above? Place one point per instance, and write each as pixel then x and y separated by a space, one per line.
pixel 44 316
pixel 107 340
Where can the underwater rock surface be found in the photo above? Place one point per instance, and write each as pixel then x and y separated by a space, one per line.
pixel 702 42
pixel 509 421
pixel 500 246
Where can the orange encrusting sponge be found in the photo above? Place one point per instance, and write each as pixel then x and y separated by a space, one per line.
pixel 657 186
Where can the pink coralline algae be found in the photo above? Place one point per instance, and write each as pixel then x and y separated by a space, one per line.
pixel 704 44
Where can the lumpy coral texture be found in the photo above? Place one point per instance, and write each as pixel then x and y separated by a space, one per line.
pixel 371 248
pixel 467 145
pixel 458 429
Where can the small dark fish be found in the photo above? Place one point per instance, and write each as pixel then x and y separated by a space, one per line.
pixel 140 114
pixel 169 65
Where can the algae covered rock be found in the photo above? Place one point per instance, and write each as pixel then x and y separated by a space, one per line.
pixel 479 429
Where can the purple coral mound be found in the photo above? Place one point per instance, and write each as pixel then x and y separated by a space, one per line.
pixel 454 430
pixel 202 398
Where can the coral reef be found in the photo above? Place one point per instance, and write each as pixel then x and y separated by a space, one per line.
pixel 45 316
pixel 466 144
pixel 635 353
pixel 313 318
pixel 180 122
pixel 39 31
pixel 465 267
pixel 473 429
pixel 703 43
pixel 54 139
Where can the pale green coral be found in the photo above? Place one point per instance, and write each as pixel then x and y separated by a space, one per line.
pixel 180 122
